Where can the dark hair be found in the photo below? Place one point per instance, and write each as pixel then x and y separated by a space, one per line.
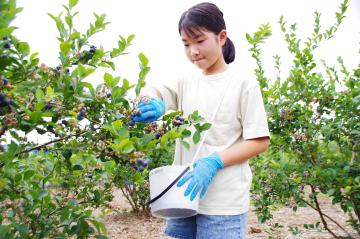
pixel 207 15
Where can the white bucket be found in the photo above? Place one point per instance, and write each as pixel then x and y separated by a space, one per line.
pixel 173 204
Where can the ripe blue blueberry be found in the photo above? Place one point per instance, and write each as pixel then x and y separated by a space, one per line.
pixel 48 106
pixel 92 49
pixel 140 168
pixel 131 123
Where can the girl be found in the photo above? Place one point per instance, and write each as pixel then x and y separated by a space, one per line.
pixel 221 175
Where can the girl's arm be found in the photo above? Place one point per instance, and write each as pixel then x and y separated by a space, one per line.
pixel 244 150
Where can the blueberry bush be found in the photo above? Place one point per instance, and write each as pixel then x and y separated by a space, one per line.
pixel 60 188
pixel 314 120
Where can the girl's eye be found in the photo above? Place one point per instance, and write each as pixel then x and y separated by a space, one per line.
pixel 186 45
pixel 201 41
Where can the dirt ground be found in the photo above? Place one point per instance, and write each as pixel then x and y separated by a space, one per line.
pixel 122 223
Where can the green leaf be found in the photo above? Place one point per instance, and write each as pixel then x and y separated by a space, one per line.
pixel 185 144
pixel 74 35
pixel 65 48
pixel 126 146
pixel 6 31
pixel 90 87
pixel 24 48
pixel 205 126
pixel 35 116
pixel 130 38
pixel 40 95
pixel 72 3
pixel 110 81
pixel 196 137
pixel 143 59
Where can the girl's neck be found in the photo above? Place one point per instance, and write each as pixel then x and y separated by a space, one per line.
pixel 218 67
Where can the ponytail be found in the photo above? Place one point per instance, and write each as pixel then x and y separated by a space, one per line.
pixel 228 50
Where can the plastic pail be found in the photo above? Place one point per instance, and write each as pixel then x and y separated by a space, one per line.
pixel 172 204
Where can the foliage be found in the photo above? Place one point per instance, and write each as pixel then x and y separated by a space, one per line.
pixel 315 125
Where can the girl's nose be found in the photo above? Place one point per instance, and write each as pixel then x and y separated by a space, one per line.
pixel 194 51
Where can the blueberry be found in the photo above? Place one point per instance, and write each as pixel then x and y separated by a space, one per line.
pixel 131 123
pixel 157 135
pixel 50 128
pixel 7 46
pixel 179 117
pixel 58 68
pixel 5 38
pixel 80 116
pixel 92 49
pixel 140 161
pixel 108 95
pixel 146 162
pixel 140 168
pixel 48 106
pixel 4 101
pixel 67 71
pixel 64 122
pixel 5 81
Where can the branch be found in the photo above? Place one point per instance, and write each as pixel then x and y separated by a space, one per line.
pixel 318 209
pixel 325 215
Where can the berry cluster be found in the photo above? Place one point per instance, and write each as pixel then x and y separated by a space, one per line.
pixel 86 55
pixel 178 120
pixel 138 162
pixel 160 133
pixel 103 93
pixel 10 120
pixel 151 128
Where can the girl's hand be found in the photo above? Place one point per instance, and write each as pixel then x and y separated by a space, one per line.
pixel 201 176
pixel 149 111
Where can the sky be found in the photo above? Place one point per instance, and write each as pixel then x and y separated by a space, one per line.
pixel 155 25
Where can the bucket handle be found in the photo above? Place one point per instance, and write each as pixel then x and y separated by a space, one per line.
pixel 168 187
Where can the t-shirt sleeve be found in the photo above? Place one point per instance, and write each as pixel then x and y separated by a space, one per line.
pixel 253 114
pixel 170 94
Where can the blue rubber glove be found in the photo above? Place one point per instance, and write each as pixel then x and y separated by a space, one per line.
pixel 150 111
pixel 202 174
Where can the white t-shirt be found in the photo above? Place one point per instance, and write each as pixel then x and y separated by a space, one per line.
pixel 241 116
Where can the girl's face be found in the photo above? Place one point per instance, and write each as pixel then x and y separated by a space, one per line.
pixel 204 49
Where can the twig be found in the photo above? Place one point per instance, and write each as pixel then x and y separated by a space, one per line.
pixel 318 209
pixel 328 217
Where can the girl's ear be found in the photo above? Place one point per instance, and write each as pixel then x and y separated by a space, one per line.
pixel 222 36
